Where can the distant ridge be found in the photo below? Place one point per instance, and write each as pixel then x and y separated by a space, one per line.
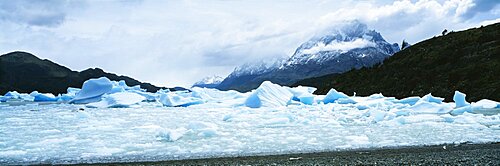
pixel 468 61
pixel 24 72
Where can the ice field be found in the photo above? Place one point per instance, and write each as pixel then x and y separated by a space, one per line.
pixel 108 121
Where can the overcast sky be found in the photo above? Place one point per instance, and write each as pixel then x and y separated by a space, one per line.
pixel 176 43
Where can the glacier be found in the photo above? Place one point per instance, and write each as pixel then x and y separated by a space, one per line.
pixel 127 124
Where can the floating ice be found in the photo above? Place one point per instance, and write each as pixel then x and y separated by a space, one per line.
pixel 432 99
pixel 18 96
pixel 459 99
pixel 409 100
pixel 171 135
pixel 43 96
pixel 117 100
pixel 333 95
pixel 269 95
pixel 220 123
pixel 424 107
pixel 92 90
pixel 179 99
pixel 486 104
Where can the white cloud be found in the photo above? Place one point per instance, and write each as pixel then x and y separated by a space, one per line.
pixel 339 46
pixel 179 42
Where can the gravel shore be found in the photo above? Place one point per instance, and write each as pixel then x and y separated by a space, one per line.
pixel 463 154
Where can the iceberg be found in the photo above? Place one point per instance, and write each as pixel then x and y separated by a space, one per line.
pixel 409 100
pixel 459 99
pixel 303 94
pixel 17 96
pixel 486 104
pixel 92 90
pixel 179 99
pixel 333 95
pixel 43 96
pixel 118 100
pixel 432 99
pixel 424 107
pixel 269 95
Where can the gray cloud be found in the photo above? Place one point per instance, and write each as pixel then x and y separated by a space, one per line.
pixel 47 13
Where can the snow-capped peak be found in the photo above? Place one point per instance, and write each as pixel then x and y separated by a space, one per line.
pixel 258 67
pixel 341 39
pixel 210 80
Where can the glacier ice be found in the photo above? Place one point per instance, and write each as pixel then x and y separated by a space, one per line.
pixel 303 94
pixel 129 124
pixel 269 95
pixel 333 95
pixel 43 96
pixel 117 100
pixel 179 99
pixel 432 99
pixel 459 99
pixel 92 90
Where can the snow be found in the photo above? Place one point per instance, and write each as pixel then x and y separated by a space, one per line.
pixel 92 90
pixel 211 80
pixel 269 95
pixel 126 126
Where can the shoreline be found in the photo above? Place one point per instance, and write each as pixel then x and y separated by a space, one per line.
pixel 447 154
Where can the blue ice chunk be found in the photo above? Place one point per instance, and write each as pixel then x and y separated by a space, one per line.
pixel 65 97
pixel 362 107
pixel 12 94
pixel 333 95
pixel 92 90
pixel 408 100
pixel 306 99
pixel 269 95
pixel 43 97
pixel 459 99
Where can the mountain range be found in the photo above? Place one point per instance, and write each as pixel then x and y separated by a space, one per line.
pixel 348 46
pixel 209 82
pixel 24 72
pixel 467 61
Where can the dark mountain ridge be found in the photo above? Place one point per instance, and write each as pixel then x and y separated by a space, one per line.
pixel 24 72
pixel 467 61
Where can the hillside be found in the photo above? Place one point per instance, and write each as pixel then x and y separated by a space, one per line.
pixel 468 61
pixel 24 72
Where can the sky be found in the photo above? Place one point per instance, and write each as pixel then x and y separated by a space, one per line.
pixel 176 43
